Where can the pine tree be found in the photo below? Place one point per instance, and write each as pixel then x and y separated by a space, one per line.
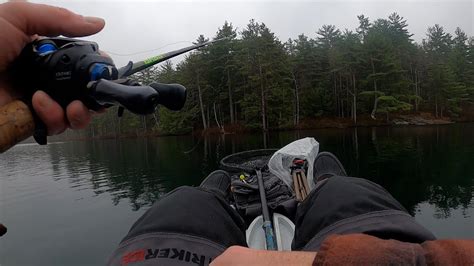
pixel 222 66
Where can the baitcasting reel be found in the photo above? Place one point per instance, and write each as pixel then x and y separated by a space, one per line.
pixel 72 69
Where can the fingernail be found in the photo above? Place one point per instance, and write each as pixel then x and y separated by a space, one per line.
pixel 94 20
pixel 45 101
pixel 75 122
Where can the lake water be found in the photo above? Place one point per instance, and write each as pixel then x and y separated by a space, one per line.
pixel 71 203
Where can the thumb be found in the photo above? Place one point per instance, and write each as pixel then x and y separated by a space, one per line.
pixel 49 20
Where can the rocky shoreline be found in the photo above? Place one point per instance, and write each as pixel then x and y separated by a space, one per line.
pixel 419 121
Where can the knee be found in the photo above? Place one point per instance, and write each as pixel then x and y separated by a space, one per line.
pixel 182 189
pixel 189 194
pixel 347 181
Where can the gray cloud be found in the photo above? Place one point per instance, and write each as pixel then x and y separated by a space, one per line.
pixel 135 26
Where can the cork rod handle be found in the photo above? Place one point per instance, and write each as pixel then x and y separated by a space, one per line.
pixel 16 124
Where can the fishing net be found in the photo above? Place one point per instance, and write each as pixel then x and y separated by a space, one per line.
pixel 246 193
pixel 247 161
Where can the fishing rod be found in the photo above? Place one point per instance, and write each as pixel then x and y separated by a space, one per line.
pixel 132 68
pixel 72 69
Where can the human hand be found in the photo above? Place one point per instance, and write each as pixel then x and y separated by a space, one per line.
pixel 21 23
pixel 241 256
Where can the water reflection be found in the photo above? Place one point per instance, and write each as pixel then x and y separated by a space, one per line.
pixel 416 164
pixel 137 170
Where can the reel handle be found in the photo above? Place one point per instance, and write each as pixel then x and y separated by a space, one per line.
pixel 141 100
pixel 172 96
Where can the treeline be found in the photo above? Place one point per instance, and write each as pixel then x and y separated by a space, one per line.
pixel 253 80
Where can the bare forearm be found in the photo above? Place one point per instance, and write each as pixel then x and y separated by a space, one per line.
pixel 245 256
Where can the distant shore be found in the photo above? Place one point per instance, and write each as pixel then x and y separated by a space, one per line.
pixel 420 119
pixel 423 119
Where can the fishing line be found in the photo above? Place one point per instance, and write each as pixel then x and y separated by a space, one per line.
pixel 195 146
pixel 146 51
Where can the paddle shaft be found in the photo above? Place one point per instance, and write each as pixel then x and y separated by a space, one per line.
pixel 267 223
pixel 16 124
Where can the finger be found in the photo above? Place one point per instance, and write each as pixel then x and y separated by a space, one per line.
pixel 3 230
pixel 49 20
pixel 78 115
pixel 102 53
pixel 50 112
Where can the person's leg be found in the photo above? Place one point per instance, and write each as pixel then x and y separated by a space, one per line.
pixel 188 226
pixel 344 205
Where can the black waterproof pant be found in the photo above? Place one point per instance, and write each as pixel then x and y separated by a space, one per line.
pixel 191 226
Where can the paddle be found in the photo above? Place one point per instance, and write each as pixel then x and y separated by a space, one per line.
pixel 267 222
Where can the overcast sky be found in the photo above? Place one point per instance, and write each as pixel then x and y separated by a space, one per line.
pixel 136 26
